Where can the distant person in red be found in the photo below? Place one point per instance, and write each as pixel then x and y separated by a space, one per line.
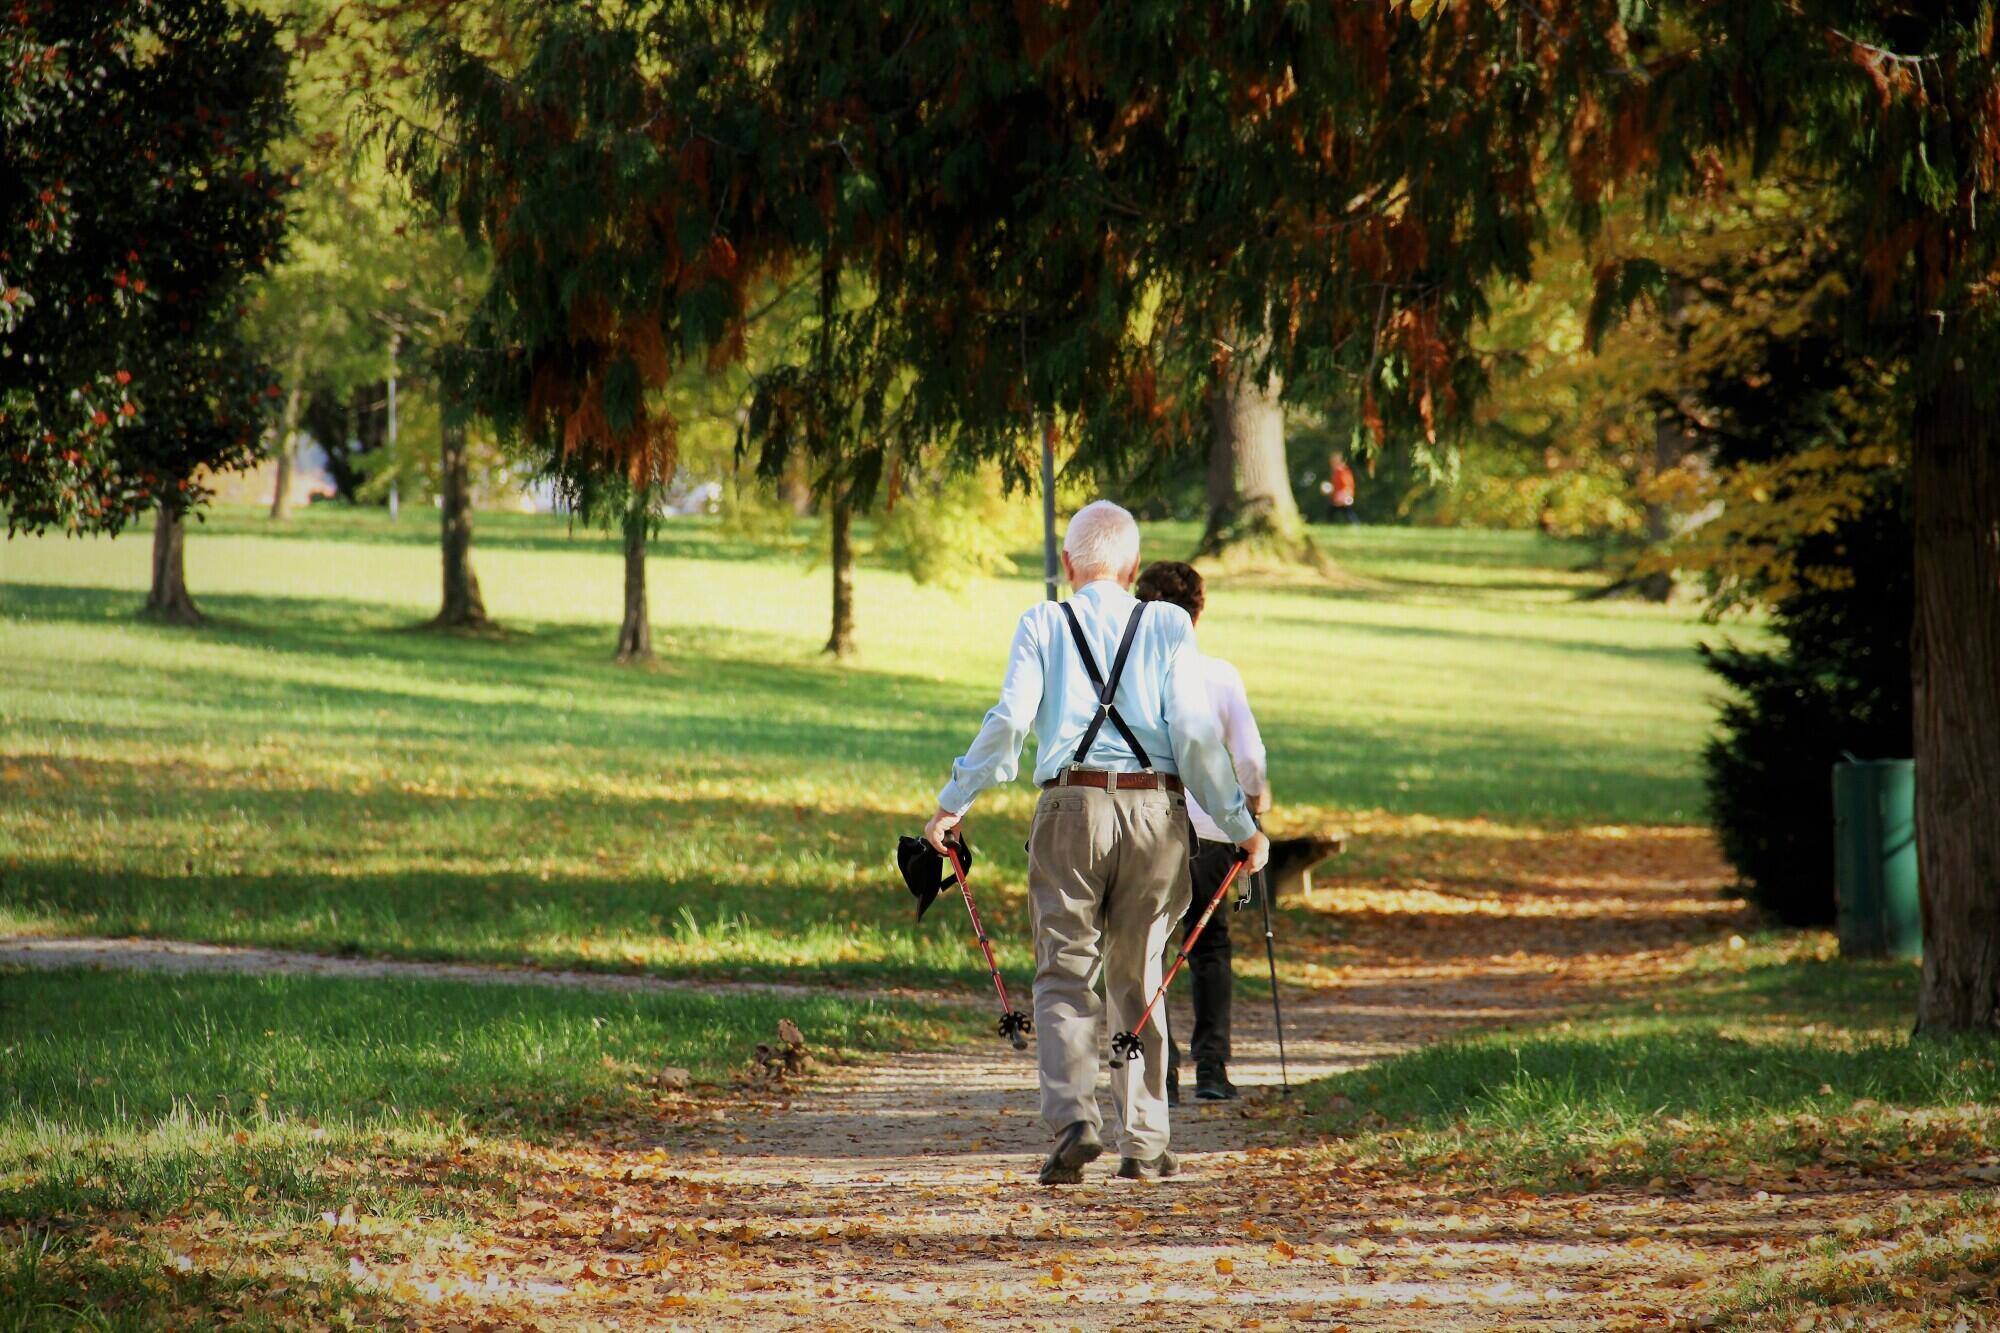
pixel 1338 488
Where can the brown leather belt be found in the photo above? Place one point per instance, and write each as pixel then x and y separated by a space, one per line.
pixel 1107 781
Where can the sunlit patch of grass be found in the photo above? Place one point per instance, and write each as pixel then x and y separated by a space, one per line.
pixel 132 1093
pixel 217 1143
pixel 1931 1265
pixel 1774 1066
pixel 307 771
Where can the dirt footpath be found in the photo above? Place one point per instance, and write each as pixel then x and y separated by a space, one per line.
pixel 901 1194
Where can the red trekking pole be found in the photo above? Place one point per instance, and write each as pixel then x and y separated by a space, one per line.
pixel 1014 1025
pixel 1125 1045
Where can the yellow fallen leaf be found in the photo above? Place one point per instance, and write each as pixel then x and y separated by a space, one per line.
pixel 1225 1266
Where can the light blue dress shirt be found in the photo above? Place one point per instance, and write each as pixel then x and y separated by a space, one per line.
pixel 1163 697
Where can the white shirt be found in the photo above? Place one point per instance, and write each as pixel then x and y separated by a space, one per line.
pixel 1239 734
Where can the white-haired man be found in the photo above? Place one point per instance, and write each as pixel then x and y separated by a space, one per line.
pixel 1122 719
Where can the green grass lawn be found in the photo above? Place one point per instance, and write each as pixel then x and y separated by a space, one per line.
pixel 141 1112
pixel 1757 1062
pixel 135 1093
pixel 1776 1066
pixel 310 771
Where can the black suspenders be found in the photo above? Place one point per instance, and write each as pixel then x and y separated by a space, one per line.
pixel 1107 690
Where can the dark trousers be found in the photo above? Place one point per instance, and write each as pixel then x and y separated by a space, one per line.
pixel 1208 961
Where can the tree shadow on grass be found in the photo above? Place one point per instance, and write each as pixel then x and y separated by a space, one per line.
pixel 675 929
pixel 719 690
pixel 674 538
pixel 758 697
pixel 693 538
pixel 1477 640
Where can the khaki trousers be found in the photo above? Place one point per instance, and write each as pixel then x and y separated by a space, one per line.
pixel 1107 877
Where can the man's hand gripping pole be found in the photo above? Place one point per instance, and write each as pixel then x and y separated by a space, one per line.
pixel 1125 1045
pixel 1014 1025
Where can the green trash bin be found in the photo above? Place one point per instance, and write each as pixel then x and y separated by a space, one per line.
pixel 1875 858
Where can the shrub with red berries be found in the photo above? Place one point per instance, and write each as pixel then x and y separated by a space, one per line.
pixel 123 370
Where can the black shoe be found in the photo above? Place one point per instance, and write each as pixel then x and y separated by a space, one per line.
pixel 1077 1147
pixel 1158 1168
pixel 1212 1084
pixel 1173 1087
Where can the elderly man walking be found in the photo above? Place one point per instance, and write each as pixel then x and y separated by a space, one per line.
pixel 1120 709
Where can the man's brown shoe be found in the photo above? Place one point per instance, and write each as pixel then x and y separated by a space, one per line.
pixel 1156 1168
pixel 1077 1147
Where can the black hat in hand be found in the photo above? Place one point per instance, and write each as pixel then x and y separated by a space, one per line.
pixel 926 871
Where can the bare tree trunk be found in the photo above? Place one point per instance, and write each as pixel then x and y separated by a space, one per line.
pixel 169 600
pixel 1669 441
pixel 1251 509
pixel 635 634
pixel 795 487
pixel 288 443
pixel 841 514
pixel 463 607
pixel 1955 474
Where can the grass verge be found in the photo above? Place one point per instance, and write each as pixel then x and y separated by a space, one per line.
pixel 1771 1066
pixel 162 1136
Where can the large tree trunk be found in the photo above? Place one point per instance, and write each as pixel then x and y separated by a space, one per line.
pixel 1251 510
pixel 169 600
pixel 840 512
pixel 463 607
pixel 635 634
pixel 1955 476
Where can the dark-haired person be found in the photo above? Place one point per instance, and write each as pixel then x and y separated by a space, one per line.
pixel 1179 584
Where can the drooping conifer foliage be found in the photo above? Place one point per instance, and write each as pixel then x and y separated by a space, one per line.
pixel 1045 208
pixel 135 198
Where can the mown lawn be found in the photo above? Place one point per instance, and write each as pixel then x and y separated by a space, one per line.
pixel 238 1079
pixel 1756 1062
pixel 312 772
pixel 146 1116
